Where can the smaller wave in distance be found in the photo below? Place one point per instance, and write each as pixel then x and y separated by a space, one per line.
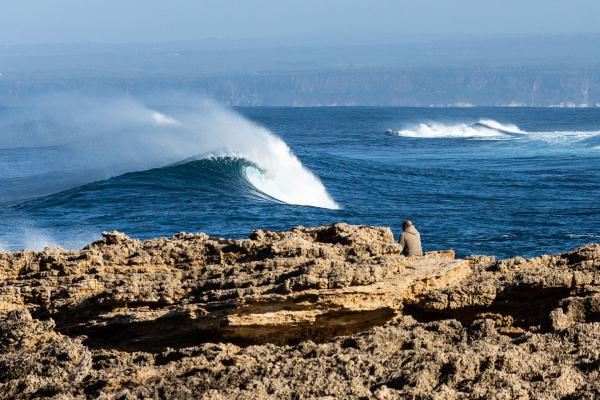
pixel 484 129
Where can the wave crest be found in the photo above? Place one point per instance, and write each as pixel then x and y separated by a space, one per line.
pixel 483 129
pixel 487 129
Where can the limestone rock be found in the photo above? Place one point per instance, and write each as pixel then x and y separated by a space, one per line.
pixel 323 312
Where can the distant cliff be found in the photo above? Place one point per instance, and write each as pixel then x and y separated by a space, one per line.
pixel 443 87
pixel 561 71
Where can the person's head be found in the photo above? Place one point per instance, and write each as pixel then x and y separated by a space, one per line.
pixel 406 224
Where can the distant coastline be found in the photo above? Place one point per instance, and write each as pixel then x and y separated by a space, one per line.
pixel 542 71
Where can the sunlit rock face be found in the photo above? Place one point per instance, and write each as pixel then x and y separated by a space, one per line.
pixel 325 311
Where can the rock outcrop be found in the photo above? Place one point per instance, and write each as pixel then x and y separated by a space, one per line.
pixel 314 312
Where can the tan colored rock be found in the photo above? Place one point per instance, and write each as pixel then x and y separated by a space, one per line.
pixel 324 312
pixel 278 287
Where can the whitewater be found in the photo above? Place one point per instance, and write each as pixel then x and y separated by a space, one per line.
pixel 482 129
pixel 487 129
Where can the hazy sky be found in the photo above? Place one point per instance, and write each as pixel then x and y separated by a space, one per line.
pixel 120 21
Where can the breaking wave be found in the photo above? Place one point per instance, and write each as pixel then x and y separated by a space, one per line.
pixel 483 129
pixel 79 141
pixel 486 129
pixel 222 175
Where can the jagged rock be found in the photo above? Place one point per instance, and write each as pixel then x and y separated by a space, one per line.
pixel 539 294
pixel 37 361
pixel 278 287
pixel 323 312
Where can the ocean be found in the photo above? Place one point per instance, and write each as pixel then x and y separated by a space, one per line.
pixel 496 181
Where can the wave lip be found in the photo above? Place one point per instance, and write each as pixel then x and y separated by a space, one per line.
pixel 482 129
pixel 281 178
pixel 284 178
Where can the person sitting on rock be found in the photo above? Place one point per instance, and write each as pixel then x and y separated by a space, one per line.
pixel 410 240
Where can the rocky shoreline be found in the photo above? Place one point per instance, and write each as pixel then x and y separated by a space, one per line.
pixel 326 312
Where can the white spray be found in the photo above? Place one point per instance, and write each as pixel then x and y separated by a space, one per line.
pixel 484 129
pixel 106 138
pixel 488 129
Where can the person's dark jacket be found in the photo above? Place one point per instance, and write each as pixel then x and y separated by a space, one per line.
pixel 410 242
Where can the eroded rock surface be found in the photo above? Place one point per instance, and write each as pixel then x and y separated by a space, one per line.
pixel 330 312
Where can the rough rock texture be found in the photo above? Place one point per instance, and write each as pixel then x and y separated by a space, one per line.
pixel 329 312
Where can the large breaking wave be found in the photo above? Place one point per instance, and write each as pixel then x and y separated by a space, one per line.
pixel 82 140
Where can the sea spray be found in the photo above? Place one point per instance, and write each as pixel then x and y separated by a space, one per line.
pixel 487 129
pixel 101 138
pixel 37 240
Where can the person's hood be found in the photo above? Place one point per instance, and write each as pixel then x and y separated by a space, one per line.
pixel 412 230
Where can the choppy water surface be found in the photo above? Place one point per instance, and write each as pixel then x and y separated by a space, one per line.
pixel 498 181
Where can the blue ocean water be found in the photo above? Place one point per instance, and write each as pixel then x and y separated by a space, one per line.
pixel 498 181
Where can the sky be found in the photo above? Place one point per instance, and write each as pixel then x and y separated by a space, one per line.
pixel 129 21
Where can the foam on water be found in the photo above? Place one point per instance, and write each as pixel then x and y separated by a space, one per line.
pixel 564 137
pixel 587 236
